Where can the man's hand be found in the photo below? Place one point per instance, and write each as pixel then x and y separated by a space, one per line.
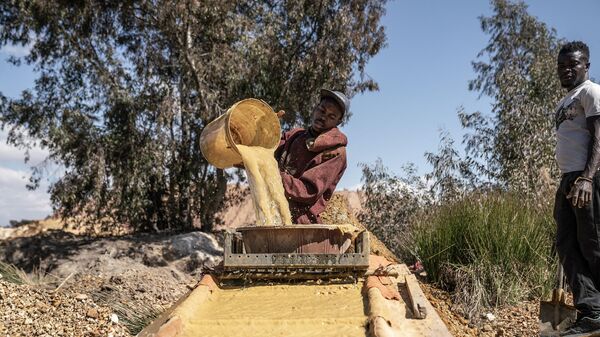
pixel 581 193
pixel 280 114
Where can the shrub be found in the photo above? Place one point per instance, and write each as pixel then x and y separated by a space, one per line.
pixel 390 205
pixel 488 249
pixel 38 277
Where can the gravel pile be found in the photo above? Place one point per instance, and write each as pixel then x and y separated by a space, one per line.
pixel 520 320
pixel 31 311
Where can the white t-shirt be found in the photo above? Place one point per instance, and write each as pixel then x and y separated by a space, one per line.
pixel 572 134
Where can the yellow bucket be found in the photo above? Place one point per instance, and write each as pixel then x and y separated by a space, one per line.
pixel 249 122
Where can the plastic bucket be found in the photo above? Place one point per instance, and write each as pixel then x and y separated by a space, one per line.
pixel 249 122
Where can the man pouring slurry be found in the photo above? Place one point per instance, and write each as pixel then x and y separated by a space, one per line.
pixel 577 204
pixel 312 161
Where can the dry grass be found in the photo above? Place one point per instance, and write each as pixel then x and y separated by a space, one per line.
pixel 135 316
pixel 37 278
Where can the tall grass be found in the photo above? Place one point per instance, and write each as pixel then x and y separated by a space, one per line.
pixel 490 249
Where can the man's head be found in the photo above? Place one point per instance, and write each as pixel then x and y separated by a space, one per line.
pixel 330 110
pixel 573 63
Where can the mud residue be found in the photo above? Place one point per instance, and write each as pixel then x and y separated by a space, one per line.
pixel 281 310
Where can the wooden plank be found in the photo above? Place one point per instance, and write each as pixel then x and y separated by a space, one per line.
pixel 417 297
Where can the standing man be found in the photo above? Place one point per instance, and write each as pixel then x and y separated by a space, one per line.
pixel 577 204
pixel 312 161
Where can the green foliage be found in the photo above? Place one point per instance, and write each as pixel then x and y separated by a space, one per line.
pixel 514 146
pixel 125 88
pixel 451 176
pixel 391 203
pixel 491 249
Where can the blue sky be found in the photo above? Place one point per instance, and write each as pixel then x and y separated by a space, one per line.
pixel 423 75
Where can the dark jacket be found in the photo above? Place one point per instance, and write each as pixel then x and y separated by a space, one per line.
pixel 310 169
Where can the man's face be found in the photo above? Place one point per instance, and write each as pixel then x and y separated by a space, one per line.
pixel 572 68
pixel 326 115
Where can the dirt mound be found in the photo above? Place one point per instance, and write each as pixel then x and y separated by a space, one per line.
pixel 242 213
pixel 338 211
pixel 134 277
pixel 40 312
pixel 518 320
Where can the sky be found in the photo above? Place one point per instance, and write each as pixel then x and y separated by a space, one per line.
pixel 423 76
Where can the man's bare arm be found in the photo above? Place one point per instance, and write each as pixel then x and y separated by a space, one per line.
pixel 581 192
pixel 593 163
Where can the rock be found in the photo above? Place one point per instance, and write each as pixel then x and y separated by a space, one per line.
pixel 114 318
pixel 152 257
pixel 490 317
pixel 92 313
pixel 184 245
pixel 116 279
pixel 175 275
pixel 486 328
pixel 81 297
pixel 28 321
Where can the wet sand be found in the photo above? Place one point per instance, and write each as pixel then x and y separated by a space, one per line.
pixel 281 310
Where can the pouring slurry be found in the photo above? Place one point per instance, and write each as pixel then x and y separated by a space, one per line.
pixel 248 133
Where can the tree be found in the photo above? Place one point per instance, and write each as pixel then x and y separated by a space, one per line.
pixel 124 89
pixel 451 175
pixel 391 203
pixel 517 69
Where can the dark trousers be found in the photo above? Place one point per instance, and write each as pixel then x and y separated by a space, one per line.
pixel 578 243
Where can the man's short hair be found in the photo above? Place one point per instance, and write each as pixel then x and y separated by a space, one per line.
pixel 573 46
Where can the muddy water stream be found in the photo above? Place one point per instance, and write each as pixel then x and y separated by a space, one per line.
pixel 268 195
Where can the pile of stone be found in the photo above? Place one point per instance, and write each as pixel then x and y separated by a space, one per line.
pixel 35 311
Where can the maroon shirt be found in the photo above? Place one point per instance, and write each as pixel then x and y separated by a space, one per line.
pixel 310 169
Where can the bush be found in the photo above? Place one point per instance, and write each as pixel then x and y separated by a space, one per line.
pixel 390 205
pixel 489 249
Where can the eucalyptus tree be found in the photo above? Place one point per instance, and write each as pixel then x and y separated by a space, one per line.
pixel 514 145
pixel 124 89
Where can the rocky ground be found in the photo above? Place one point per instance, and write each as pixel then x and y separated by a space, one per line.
pixel 518 320
pixel 113 286
pixel 97 286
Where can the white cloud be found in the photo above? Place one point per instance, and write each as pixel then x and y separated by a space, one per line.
pixel 10 155
pixel 16 50
pixel 16 202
